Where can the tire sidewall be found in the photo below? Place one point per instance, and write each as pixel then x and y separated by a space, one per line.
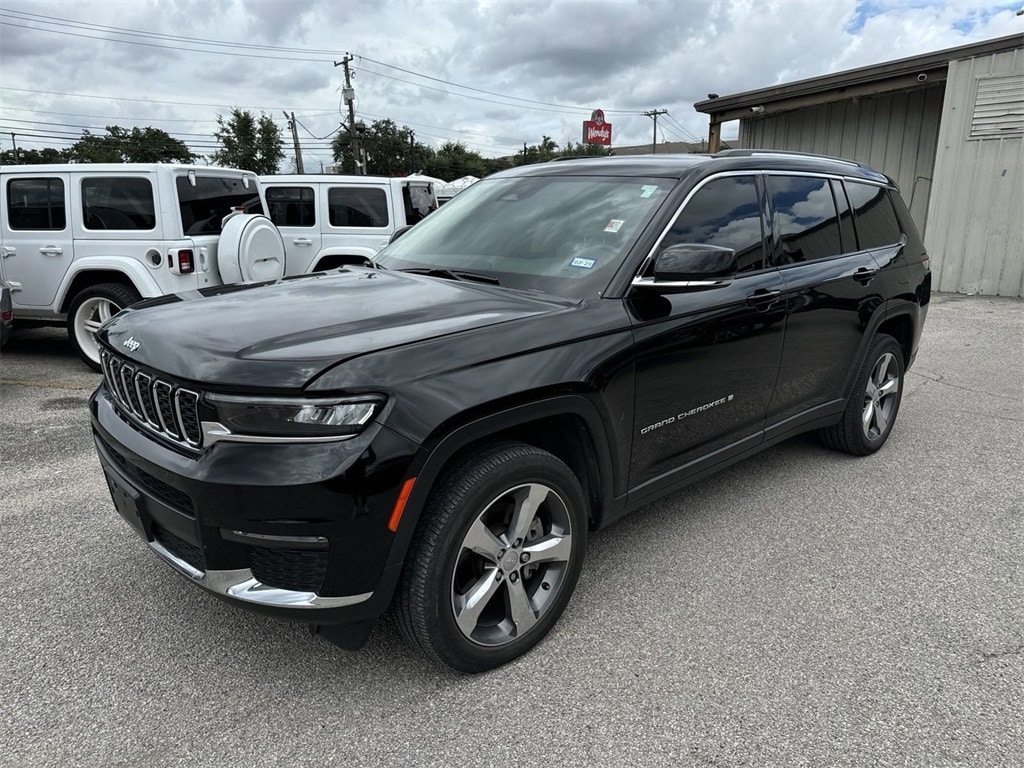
pixel 461 511
pixel 881 345
pixel 121 295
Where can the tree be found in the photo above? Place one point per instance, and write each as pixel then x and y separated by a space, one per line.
pixel 579 149
pixel 453 161
pixel 539 153
pixel 247 142
pixel 120 145
pixel 32 156
pixel 390 150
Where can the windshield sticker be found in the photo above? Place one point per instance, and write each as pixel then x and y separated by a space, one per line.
pixel 584 263
pixel 647 190
pixel 614 225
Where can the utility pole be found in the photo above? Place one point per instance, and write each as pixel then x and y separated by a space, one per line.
pixel 654 114
pixel 295 141
pixel 349 95
pixel 14 142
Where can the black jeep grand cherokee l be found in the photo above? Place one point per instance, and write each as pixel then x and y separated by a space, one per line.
pixel 556 346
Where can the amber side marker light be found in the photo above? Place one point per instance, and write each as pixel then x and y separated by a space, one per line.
pixel 403 497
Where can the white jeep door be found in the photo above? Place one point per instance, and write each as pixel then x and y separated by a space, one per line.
pixel 36 238
pixel 293 209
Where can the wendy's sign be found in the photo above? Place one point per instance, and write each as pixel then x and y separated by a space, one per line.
pixel 596 130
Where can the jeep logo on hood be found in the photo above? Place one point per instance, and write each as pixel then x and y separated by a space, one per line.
pixel 132 344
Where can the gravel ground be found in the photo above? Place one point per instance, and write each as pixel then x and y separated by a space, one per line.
pixel 802 608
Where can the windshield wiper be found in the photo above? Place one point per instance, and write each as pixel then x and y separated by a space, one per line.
pixel 453 274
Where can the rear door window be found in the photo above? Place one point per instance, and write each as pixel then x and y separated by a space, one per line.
pixel 357 207
pixel 291 206
pixel 123 203
pixel 806 219
pixel 36 205
pixel 875 218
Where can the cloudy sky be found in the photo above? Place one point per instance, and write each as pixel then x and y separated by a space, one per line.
pixel 492 74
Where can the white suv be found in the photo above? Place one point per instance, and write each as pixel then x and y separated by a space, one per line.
pixel 328 220
pixel 81 242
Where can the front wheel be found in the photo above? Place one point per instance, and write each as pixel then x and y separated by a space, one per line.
pixel 495 559
pixel 92 307
pixel 871 410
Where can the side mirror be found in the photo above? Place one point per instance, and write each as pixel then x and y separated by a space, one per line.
pixel 690 267
pixel 687 262
pixel 399 232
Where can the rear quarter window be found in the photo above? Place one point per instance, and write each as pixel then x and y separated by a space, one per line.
pixel 873 215
pixel 357 207
pixel 123 203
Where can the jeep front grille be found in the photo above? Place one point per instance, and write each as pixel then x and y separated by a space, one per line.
pixel 162 406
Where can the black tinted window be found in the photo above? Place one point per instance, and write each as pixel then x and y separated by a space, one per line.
pixel 291 206
pixel 805 218
pixel 876 220
pixel 118 203
pixel 210 200
pixel 357 207
pixel 845 217
pixel 36 204
pixel 724 212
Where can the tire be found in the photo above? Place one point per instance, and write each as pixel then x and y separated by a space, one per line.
pixel 874 403
pixel 470 540
pixel 92 307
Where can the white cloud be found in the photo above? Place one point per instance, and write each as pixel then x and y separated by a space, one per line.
pixel 631 55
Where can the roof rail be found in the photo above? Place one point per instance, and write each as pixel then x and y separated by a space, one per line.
pixel 786 153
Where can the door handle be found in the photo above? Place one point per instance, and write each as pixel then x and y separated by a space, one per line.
pixel 302 241
pixel 8 252
pixel 762 299
pixel 865 275
pixel 51 250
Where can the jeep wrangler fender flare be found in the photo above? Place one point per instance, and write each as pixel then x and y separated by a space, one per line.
pixel 429 464
pixel 135 273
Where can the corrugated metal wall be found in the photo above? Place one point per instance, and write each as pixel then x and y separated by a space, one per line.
pixel 977 207
pixel 895 133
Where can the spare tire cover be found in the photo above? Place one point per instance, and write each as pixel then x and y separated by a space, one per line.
pixel 250 250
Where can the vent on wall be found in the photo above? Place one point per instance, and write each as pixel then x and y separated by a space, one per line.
pixel 998 107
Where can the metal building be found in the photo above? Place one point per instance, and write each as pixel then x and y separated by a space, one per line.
pixel 948 126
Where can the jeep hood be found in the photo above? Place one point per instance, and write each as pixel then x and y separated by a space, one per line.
pixel 280 335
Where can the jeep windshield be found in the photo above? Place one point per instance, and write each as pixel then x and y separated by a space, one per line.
pixel 564 235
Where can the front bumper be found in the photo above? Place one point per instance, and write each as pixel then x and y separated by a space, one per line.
pixel 296 531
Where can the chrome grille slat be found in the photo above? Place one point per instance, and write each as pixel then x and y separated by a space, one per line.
pixel 160 405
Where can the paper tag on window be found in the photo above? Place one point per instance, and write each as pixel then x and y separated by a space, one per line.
pixel 585 263
pixel 647 190
pixel 614 225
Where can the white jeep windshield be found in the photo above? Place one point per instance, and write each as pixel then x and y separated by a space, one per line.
pixel 564 235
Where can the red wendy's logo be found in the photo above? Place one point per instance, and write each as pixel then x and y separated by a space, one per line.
pixel 596 130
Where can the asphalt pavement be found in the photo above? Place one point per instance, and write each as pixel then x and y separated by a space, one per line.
pixel 803 608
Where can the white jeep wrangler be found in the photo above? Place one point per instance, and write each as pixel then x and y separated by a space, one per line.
pixel 81 242
pixel 328 220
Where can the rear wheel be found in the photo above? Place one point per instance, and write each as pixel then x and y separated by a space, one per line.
pixel 871 410
pixel 495 558
pixel 92 307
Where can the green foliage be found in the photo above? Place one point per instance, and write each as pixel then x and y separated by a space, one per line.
pixel 453 160
pixel 390 150
pixel 247 142
pixel 579 149
pixel 121 145
pixel 32 156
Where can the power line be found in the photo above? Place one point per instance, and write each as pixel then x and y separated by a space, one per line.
pixel 143 101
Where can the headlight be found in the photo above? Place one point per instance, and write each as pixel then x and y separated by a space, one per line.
pixel 273 417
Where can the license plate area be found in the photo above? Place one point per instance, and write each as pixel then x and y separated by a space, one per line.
pixel 127 501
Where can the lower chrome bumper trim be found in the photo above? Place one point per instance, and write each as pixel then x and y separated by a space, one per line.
pixel 240 585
